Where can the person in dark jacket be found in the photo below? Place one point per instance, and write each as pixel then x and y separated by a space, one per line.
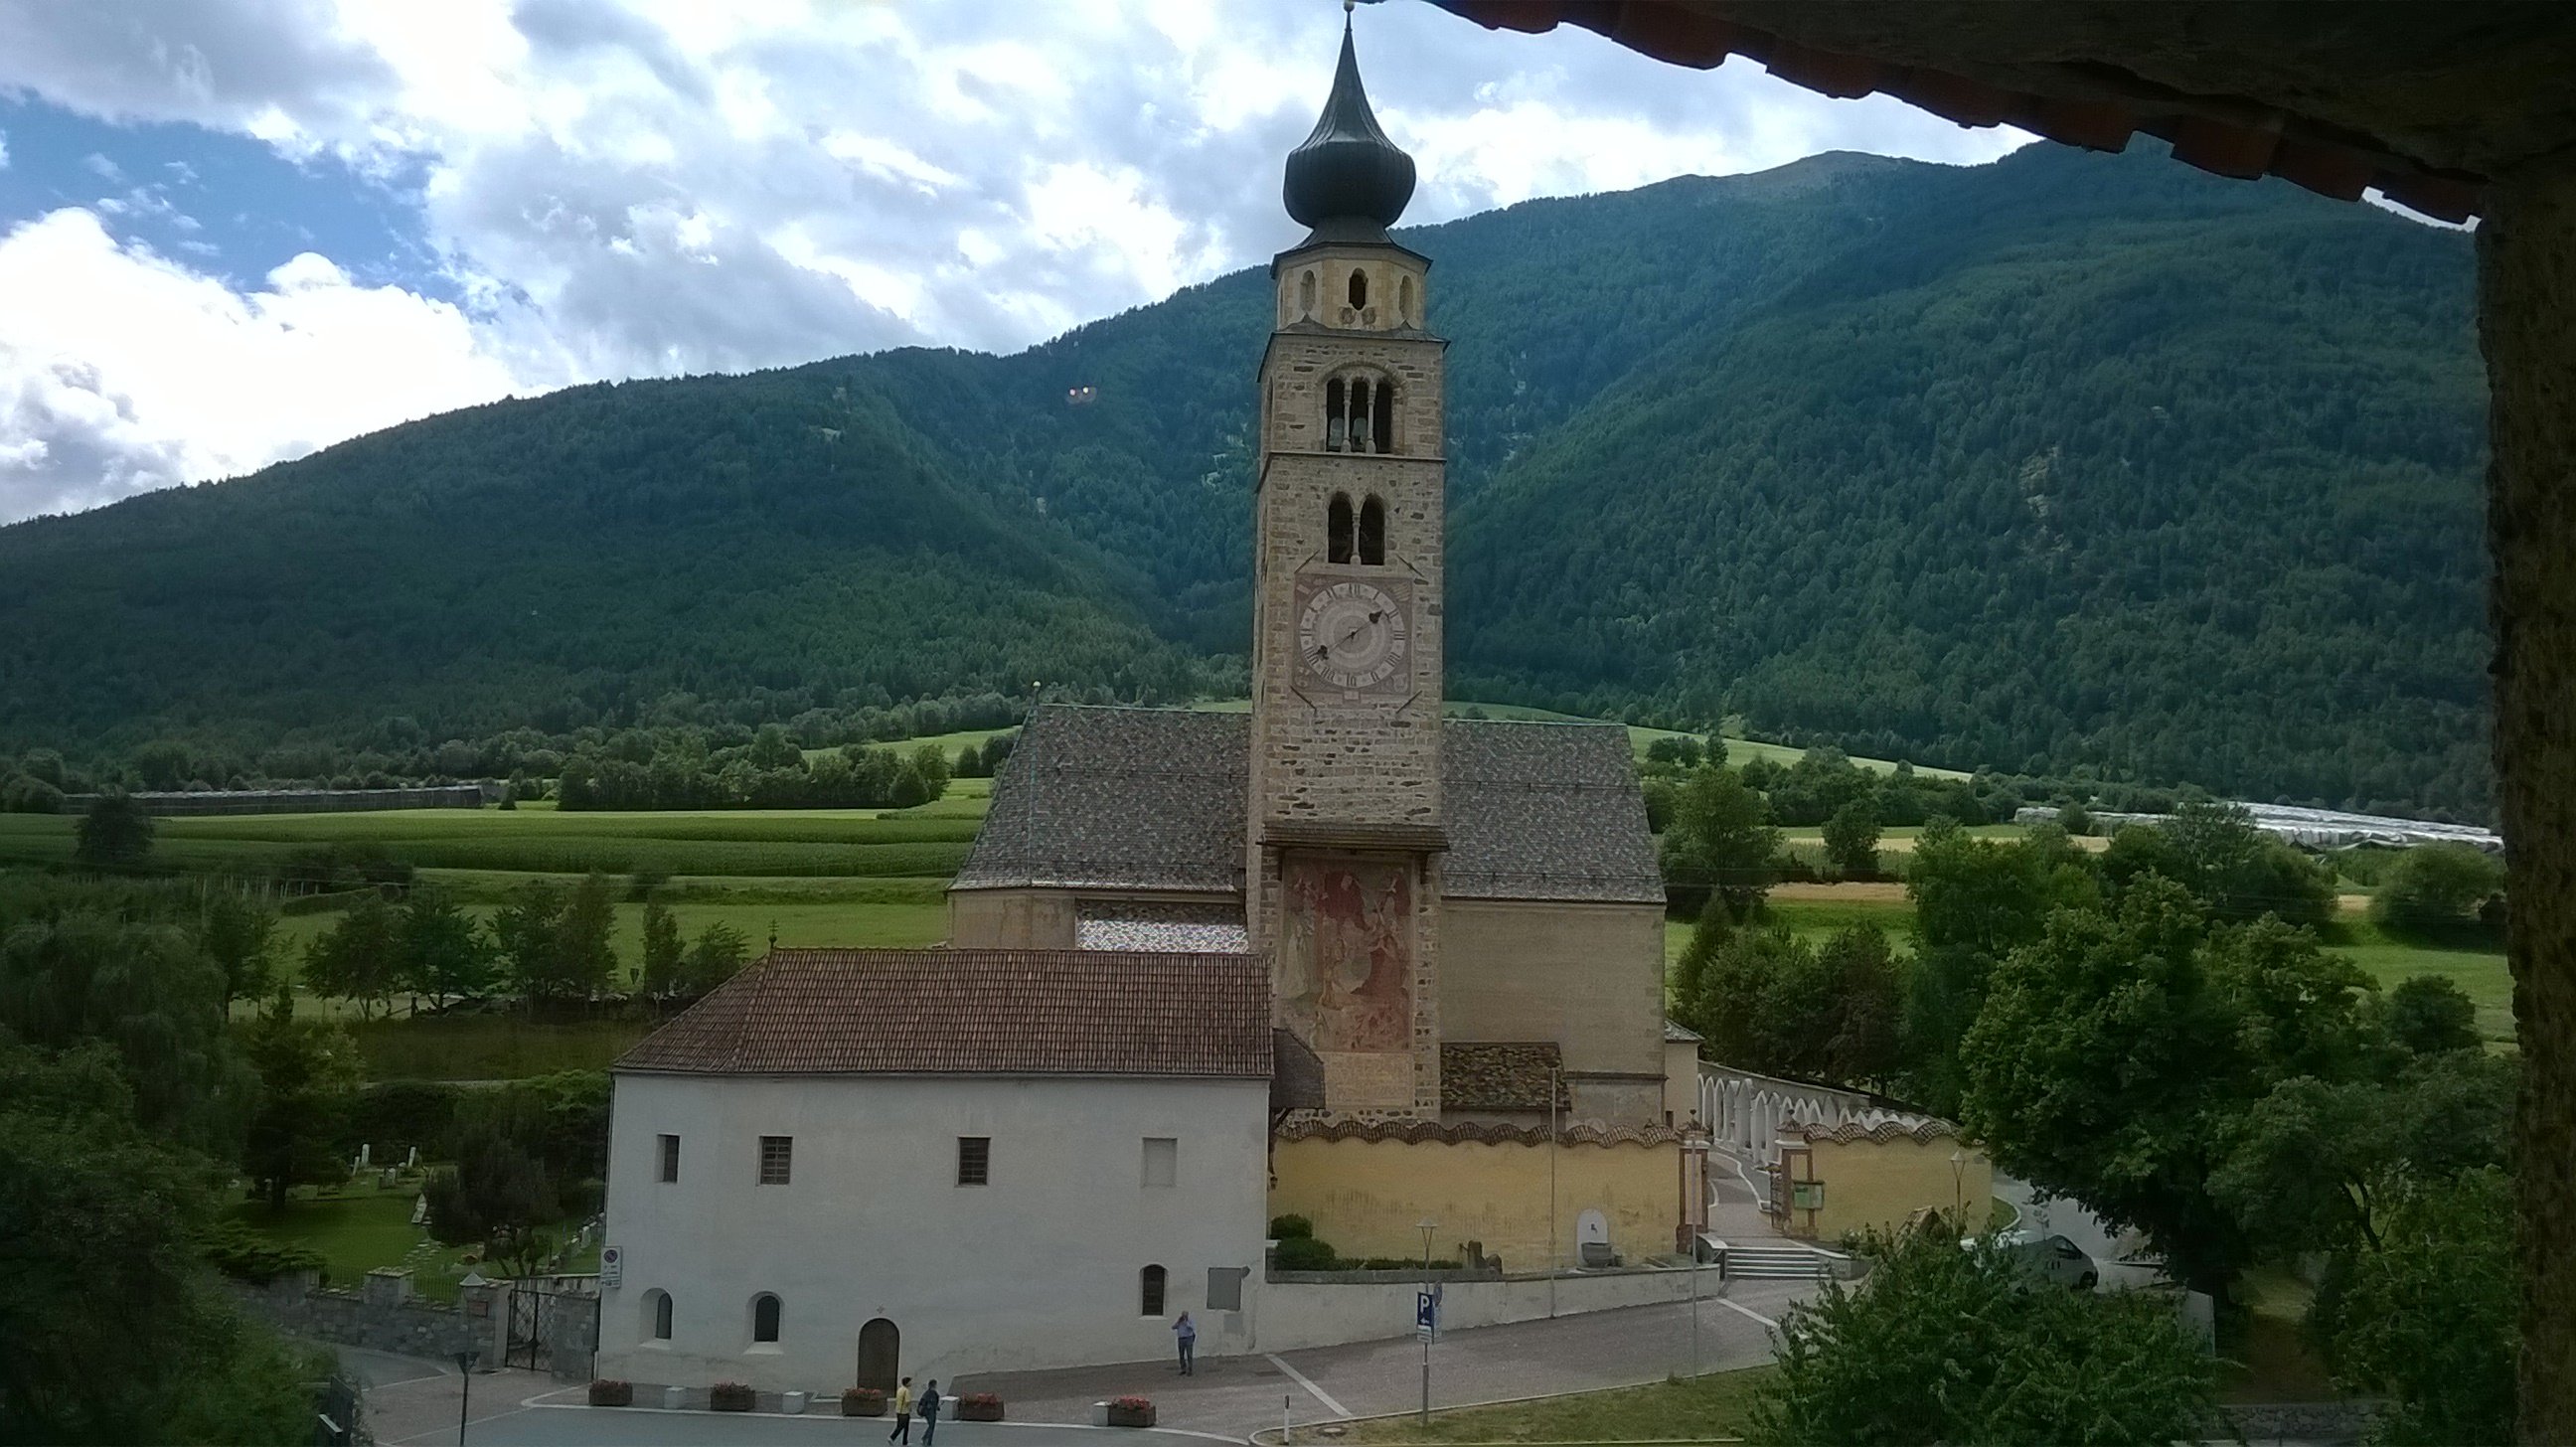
pixel 929 1408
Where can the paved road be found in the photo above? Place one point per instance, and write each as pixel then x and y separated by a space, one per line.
pixel 2068 1218
pixel 1229 1397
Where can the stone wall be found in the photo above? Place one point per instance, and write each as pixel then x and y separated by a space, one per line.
pixel 381 1317
pixel 1488 1185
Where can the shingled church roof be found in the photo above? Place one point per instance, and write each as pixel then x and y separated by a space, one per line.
pixel 1154 799
pixel 974 1012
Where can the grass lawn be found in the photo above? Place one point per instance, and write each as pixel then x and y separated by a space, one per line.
pixel 1713 1408
pixel 2482 973
pixel 363 1228
pixel 488 1047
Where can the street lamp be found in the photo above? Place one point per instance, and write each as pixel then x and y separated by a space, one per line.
pixel 1959 1192
pixel 1429 1313
pixel 465 1361
pixel 1695 1151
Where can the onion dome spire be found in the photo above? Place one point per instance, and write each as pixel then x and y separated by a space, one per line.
pixel 1348 171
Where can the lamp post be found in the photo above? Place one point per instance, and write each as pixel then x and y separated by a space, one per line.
pixel 1552 1088
pixel 1426 1226
pixel 1959 1192
pixel 465 1361
pixel 1695 1151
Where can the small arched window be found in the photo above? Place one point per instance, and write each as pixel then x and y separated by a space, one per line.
pixel 1337 530
pixel 1383 418
pixel 1359 288
pixel 657 1314
pixel 1359 431
pixel 1149 1291
pixel 764 1317
pixel 1333 419
pixel 1404 300
pixel 1373 532
pixel 1306 294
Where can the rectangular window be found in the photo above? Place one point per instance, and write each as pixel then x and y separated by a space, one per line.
pixel 1225 1287
pixel 670 1158
pixel 777 1153
pixel 1162 1160
pixel 974 1160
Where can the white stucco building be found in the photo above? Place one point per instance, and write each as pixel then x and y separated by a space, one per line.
pixel 846 1165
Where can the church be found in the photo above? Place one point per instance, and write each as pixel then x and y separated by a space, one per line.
pixel 1336 956
pixel 1458 913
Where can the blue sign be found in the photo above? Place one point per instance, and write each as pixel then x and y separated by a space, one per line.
pixel 1426 1310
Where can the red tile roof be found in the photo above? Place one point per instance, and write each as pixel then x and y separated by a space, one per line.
pixel 975 1012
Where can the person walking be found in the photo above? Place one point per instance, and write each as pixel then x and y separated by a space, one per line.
pixel 902 1413
pixel 1186 1332
pixel 929 1412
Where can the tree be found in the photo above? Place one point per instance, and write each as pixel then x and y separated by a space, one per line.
pixel 663 952
pixel 497 1194
pixel 719 953
pixel 308 1075
pixel 116 833
pixel 236 933
pixel 526 929
pixel 1721 840
pixel 116 1333
pixel 151 995
pixel 2233 868
pixel 443 952
pixel 586 962
pixel 1869 1007
pixel 2107 1061
pixel 1851 840
pixel 2431 1014
pixel 1975 900
pixel 1941 1344
pixel 931 763
pixel 771 748
pixel 2428 1318
pixel 2436 886
pixel 359 959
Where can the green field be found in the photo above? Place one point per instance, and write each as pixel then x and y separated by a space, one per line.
pixel 489 1047
pixel 817 842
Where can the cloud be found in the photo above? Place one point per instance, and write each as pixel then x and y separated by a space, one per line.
pixel 122 371
pixel 647 187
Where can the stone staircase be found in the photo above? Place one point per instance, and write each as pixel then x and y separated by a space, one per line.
pixel 1777 1260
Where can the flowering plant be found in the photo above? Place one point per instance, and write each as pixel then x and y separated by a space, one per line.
pixel 1133 1404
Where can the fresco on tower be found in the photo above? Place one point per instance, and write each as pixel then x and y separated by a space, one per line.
pixel 1347 954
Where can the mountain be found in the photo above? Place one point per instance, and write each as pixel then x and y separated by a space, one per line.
pixel 2064 460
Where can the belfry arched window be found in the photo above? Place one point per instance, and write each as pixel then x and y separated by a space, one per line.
pixel 1359 415
pixel 1306 295
pixel 1373 532
pixel 1359 288
pixel 1404 301
pixel 1337 530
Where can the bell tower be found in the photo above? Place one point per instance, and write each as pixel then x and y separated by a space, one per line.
pixel 1346 827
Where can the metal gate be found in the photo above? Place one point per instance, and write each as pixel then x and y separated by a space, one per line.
pixel 552 1327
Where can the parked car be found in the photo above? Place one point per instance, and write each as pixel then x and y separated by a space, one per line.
pixel 2053 1259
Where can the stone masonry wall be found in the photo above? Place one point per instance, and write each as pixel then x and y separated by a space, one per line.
pixel 408 1326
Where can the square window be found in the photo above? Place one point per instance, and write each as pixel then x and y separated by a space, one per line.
pixel 1225 1287
pixel 777 1153
pixel 1162 1160
pixel 670 1158
pixel 974 1160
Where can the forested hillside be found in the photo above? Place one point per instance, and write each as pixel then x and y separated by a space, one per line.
pixel 2068 460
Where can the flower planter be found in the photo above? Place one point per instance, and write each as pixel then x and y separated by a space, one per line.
pixel 1131 1412
pixel 605 1393
pixel 862 1402
pixel 729 1397
pixel 980 1407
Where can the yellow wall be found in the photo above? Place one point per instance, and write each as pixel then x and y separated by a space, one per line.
pixel 1011 919
pixel 1681 1083
pixel 1882 1183
pixel 1365 1196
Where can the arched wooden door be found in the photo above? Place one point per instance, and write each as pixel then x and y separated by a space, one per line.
pixel 880 1355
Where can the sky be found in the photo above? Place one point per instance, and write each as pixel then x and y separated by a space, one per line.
pixel 233 232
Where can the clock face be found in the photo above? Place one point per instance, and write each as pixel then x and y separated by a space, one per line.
pixel 1355 635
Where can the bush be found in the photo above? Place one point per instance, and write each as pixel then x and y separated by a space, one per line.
pixel 2436 886
pixel 245 1255
pixel 2432 1015
pixel 730 1397
pixel 609 1393
pixel 1305 1253
pixel 1289 1228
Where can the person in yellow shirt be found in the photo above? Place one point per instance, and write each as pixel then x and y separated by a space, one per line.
pixel 902 1413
